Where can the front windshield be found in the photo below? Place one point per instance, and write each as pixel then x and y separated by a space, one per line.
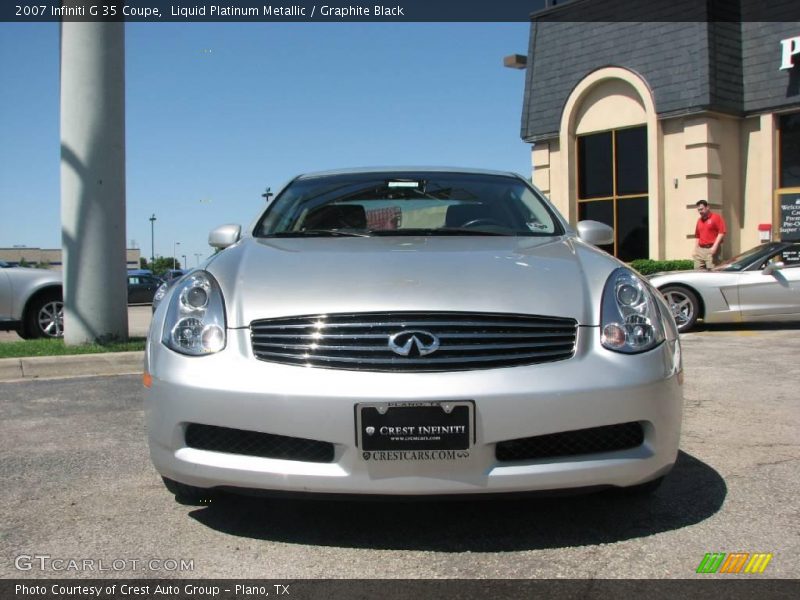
pixel 411 203
pixel 755 255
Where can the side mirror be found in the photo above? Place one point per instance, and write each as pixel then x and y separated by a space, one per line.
pixel 595 232
pixel 225 235
pixel 772 267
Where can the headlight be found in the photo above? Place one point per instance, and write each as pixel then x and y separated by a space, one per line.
pixel 630 318
pixel 195 321
pixel 159 295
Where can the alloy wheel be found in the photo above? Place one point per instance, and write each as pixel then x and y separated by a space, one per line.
pixel 683 305
pixel 51 319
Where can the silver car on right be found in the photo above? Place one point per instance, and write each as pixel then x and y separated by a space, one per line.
pixel 761 284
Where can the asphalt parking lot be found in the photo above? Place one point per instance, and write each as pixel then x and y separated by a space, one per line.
pixel 79 485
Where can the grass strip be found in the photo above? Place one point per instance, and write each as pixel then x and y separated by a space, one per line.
pixel 45 347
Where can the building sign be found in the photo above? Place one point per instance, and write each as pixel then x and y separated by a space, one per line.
pixel 790 48
pixel 790 218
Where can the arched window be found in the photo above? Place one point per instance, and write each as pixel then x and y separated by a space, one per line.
pixel 610 134
pixel 612 187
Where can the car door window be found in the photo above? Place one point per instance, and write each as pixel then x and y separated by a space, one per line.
pixel 790 257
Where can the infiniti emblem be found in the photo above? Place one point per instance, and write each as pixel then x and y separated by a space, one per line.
pixel 413 343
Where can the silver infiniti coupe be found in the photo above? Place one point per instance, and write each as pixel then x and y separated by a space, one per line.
pixel 414 332
pixel 762 284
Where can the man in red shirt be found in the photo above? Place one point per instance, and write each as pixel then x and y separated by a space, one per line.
pixel 709 233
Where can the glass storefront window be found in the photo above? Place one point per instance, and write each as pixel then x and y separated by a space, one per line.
pixel 787 196
pixel 612 188
pixel 790 151
pixel 633 229
pixel 631 161
pixel 595 155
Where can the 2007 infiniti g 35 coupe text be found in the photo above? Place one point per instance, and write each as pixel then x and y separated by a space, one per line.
pixel 412 332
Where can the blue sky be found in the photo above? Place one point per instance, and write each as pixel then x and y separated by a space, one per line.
pixel 216 112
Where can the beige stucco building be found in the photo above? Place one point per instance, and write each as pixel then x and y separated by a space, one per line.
pixel 632 123
pixel 51 257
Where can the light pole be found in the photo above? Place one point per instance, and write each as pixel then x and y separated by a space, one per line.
pixel 183 264
pixel 197 256
pixel 152 240
pixel 175 254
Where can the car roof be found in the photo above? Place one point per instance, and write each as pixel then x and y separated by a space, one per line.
pixel 369 170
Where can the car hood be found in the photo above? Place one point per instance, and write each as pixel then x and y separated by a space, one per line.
pixel 267 278
pixel 665 273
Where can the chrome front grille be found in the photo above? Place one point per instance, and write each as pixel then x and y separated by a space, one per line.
pixel 362 341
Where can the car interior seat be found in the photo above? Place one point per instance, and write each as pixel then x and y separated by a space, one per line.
pixel 336 216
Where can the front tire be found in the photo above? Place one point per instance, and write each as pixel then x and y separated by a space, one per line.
pixel 684 305
pixel 44 317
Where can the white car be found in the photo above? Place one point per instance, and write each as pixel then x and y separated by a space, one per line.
pixel 31 302
pixel 412 332
pixel 761 284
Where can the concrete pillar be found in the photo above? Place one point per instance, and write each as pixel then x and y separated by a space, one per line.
pixel 713 173
pixel 93 181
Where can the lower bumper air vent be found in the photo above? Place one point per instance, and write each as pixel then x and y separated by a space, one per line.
pixel 255 443
pixel 609 438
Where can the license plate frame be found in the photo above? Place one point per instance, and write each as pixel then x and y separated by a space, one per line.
pixel 416 425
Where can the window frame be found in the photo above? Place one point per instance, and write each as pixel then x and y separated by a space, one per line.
pixel 614 197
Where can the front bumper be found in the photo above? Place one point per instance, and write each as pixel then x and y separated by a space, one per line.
pixel 234 390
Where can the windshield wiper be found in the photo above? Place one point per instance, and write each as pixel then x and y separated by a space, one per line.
pixel 449 231
pixel 436 232
pixel 319 233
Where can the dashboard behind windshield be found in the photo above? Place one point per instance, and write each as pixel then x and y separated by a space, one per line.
pixel 410 203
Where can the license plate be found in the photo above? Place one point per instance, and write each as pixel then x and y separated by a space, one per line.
pixel 415 425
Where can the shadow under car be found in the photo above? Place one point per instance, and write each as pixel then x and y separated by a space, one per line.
pixel 691 493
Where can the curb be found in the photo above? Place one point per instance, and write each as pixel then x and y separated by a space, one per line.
pixel 76 365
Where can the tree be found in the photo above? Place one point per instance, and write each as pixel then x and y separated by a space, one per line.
pixel 162 264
